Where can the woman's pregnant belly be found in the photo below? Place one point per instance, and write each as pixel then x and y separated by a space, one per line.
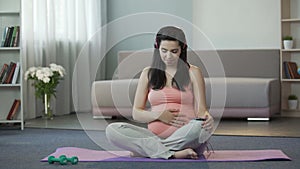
pixel 164 130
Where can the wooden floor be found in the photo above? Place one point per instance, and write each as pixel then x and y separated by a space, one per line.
pixel 277 126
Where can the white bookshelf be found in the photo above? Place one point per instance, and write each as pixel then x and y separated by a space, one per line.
pixel 290 26
pixel 10 15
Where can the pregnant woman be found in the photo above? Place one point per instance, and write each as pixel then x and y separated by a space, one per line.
pixel 179 124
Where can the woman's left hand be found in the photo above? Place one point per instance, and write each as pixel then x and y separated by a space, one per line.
pixel 208 124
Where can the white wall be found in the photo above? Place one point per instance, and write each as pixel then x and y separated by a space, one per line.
pixel 11 5
pixel 238 24
pixel 119 10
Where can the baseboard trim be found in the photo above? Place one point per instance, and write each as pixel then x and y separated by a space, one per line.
pixel 102 117
pixel 258 119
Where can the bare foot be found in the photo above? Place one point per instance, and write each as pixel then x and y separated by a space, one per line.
pixel 186 153
pixel 133 154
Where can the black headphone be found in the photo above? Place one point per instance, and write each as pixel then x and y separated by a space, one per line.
pixel 156 44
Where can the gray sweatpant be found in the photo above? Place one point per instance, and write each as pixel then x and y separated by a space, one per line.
pixel 143 142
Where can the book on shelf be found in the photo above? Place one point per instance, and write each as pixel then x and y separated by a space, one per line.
pixel 11 36
pixel 4 36
pixel 286 70
pixel 3 72
pixel 16 73
pixel 291 70
pixel 9 73
pixel 17 38
pixel 8 36
pixel 14 109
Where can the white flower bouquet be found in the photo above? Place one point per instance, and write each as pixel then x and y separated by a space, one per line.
pixel 45 79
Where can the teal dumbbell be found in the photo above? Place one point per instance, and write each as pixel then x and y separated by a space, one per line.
pixel 73 160
pixel 61 160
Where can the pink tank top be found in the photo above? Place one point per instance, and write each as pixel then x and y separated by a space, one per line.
pixel 170 98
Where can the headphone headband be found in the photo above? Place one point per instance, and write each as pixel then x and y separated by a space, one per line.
pixel 156 44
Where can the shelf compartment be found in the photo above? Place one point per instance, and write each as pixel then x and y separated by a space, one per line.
pixel 9 12
pixel 290 80
pixel 10 48
pixel 290 113
pixel 10 85
pixel 10 121
pixel 291 50
pixel 291 20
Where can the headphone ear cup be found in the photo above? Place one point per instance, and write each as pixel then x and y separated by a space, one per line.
pixel 156 44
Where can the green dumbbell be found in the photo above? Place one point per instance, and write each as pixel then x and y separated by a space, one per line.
pixel 73 160
pixel 61 160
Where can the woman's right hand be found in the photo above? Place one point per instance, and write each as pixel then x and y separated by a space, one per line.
pixel 172 117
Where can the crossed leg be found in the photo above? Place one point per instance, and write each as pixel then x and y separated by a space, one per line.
pixel 142 142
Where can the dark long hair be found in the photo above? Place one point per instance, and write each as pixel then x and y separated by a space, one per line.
pixel 156 75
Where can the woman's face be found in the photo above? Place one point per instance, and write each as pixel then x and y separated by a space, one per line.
pixel 169 52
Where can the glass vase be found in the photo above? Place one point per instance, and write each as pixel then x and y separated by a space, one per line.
pixel 48 113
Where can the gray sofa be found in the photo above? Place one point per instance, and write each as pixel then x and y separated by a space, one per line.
pixel 247 87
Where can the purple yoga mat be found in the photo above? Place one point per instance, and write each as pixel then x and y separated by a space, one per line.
pixel 87 155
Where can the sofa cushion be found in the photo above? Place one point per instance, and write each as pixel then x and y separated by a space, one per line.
pixel 243 92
